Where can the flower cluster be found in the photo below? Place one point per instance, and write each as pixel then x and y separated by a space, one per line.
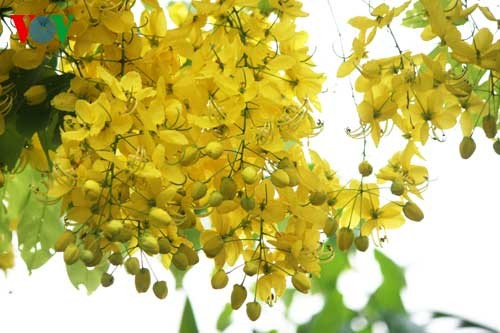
pixel 199 129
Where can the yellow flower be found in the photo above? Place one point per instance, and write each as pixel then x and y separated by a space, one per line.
pixel 437 107
pixel 35 155
pixel 377 106
pixel 482 51
pixel 129 88
pixel 380 218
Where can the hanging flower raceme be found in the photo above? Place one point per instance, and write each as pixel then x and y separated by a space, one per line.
pixel 189 141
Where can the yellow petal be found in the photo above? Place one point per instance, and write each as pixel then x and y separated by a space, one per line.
pixel 29 58
pixel 173 137
pixel 466 123
pixel 346 68
pixel 483 39
pixel 361 22
pixel 178 12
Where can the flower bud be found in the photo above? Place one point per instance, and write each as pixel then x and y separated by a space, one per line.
pixel 490 126
pixel 253 310
pixel 238 296
pixel 132 265
pixel 66 238
pixel 180 261
pixel 293 176
pixel 219 280
pixel 112 228
pixel 365 169
pixel 159 217
pixel 251 267
pixel 215 199
pixel 247 203
pixel 362 243
pixel 149 244
pixel 35 95
pixel 496 146
pixel 92 189
pixel 198 190
pixel 71 254
pixel 345 237
pixel 467 147
pixel 285 163
pixel 331 226
pixel 228 188
pixel 164 245
pixel 301 282
pixel 116 259
pixel 91 259
pixel 142 280
pixel 250 175
pixel 280 178
pixel 213 246
pixel 397 188
pixel 191 255
pixel 160 289
pixel 317 198
pixel 413 212
pixel 86 256
pixel 107 280
pixel 214 149
pixel 189 156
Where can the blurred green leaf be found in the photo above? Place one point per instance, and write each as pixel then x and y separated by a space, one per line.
pixel 416 17
pixel 5 232
pixel 193 235
pixel 188 321
pixel 225 320
pixel 463 322
pixel 287 299
pixel 401 323
pixel 79 274
pixel 387 297
pixel 330 273
pixel 335 317
pixel 265 7
pixel 39 224
pixel 178 276
pixel 11 142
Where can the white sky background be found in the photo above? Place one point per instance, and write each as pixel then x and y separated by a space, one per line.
pixel 451 256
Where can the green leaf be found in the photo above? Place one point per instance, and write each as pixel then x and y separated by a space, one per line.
pixel 387 297
pixel 178 276
pixel 287 299
pixel 18 192
pixel 283 224
pixel 24 120
pixel 5 233
pixel 463 322
pixel 11 142
pixel 34 118
pixel 416 17
pixel 289 144
pixel 330 273
pixel 39 223
pixel 225 320
pixel 193 235
pixel 188 321
pixel 334 317
pixel 90 278
pixel 265 7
